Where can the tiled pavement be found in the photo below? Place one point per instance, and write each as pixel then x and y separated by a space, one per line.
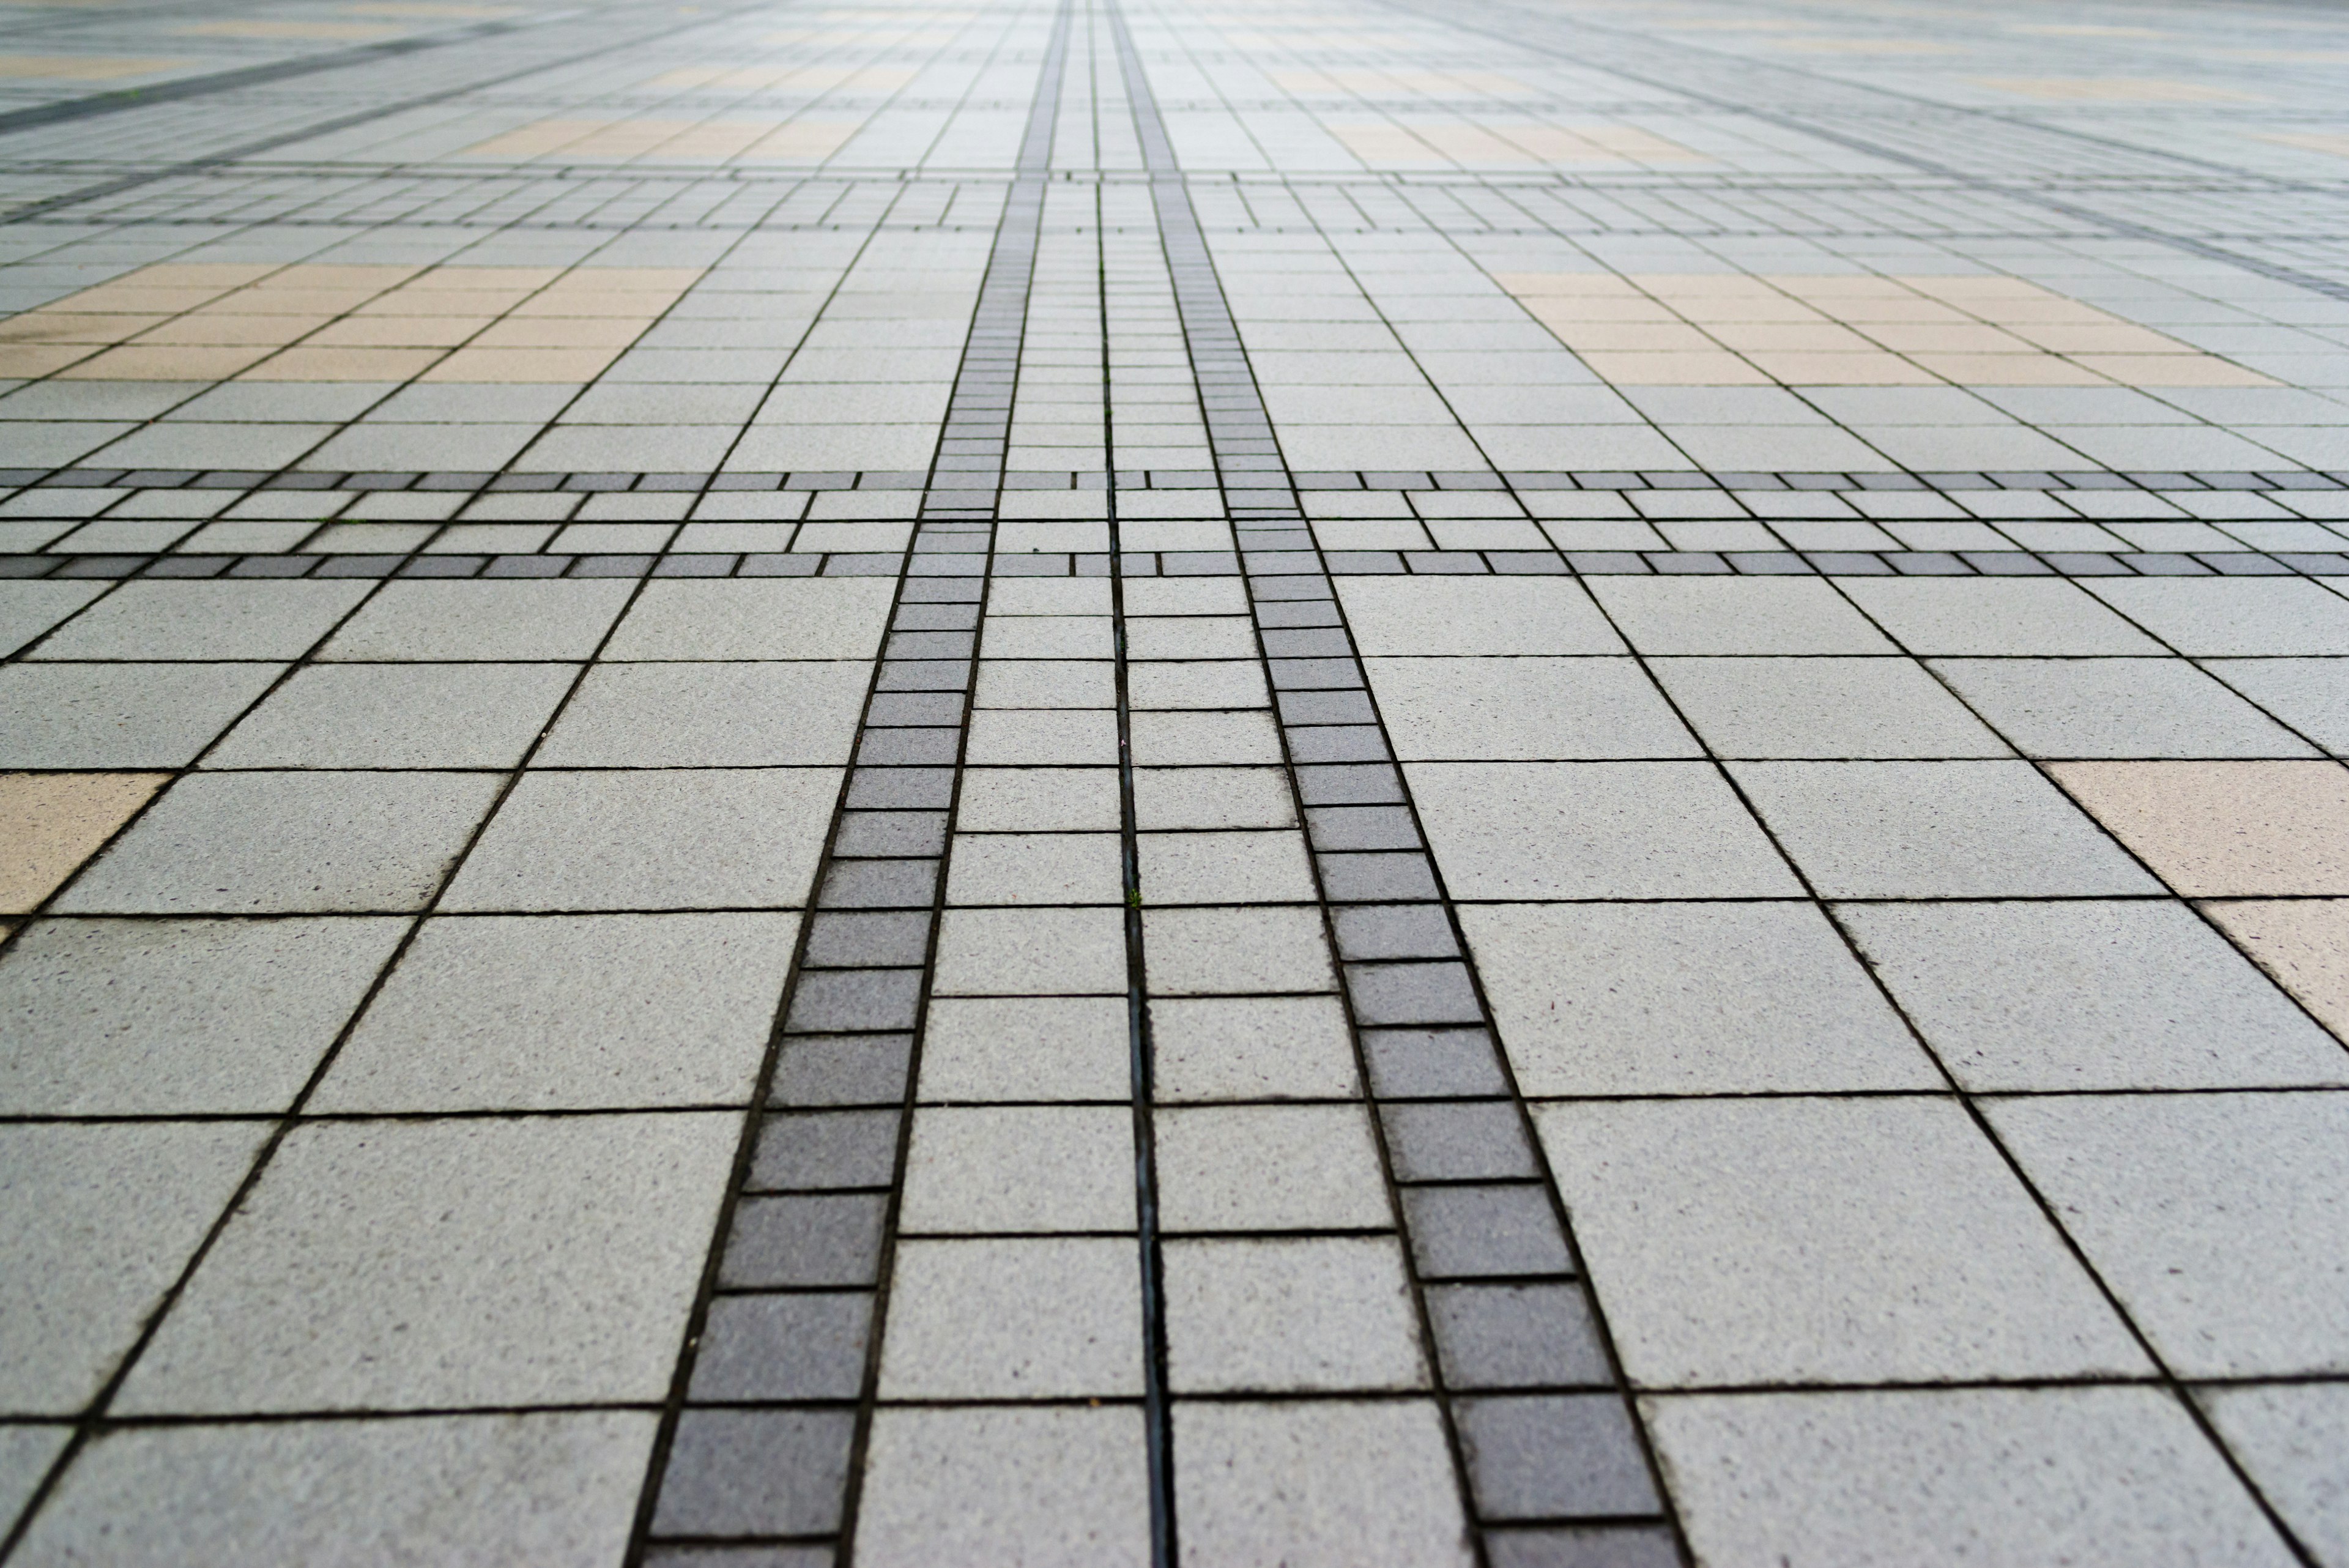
pixel 1552 784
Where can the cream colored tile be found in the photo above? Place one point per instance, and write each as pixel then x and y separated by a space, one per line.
pixel 2215 829
pixel 2302 943
pixel 51 822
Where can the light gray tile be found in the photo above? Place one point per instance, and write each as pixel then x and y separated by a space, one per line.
pixel 283 843
pixel 1629 999
pixel 1995 616
pixel 481 620
pixel 120 715
pixel 2089 995
pixel 1593 830
pixel 2290 1438
pixel 557 1487
pixel 1436 616
pixel 1524 710
pixel 1760 1241
pixel 2221 1220
pixel 1006 1170
pixel 1735 615
pixel 101 1220
pixel 399 716
pixel 2312 695
pixel 178 1017
pixel 654 839
pixel 1021 1318
pixel 2233 616
pixel 710 715
pixel 1015 868
pixel 28 609
pixel 597 1011
pixel 447 1264
pixel 1224 868
pixel 1059 1487
pixel 1233 1048
pixel 1219 951
pixel 205 620
pixel 1961 829
pixel 2068 708
pixel 1325 1484
pixel 1823 708
pixel 2111 1477
pixel 26 1454
pixel 1271 1316
pixel 1268 1168
pixel 1026 1048
pixel 1030 952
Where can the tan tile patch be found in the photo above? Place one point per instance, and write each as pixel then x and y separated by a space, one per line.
pixel 1854 330
pixel 2225 830
pixel 81 67
pixel 2111 89
pixel 51 822
pixel 324 323
pixel 2302 943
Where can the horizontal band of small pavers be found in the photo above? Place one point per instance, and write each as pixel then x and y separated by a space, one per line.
pixel 1215 563
pixel 1164 479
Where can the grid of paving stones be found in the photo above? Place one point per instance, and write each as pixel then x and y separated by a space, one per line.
pixel 1107 781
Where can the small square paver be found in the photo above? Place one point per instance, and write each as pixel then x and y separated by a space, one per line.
pixel 2217 829
pixel 775 1348
pixel 288 842
pixel 1593 830
pixel 178 1017
pixel 519 1012
pixel 1251 1048
pixel 999 1169
pixel 102 1219
pixel 1208 951
pixel 446 1264
pixel 1515 1337
pixel 1551 1456
pixel 1321 1484
pixel 1014 1318
pixel 2086 994
pixel 2221 1220
pixel 1056 1486
pixel 1268 1167
pixel 755 1473
pixel 2111 1477
pixel 399 716
pixel 1758 1241
pixel 545 1486
pixel 651 840
pixel 1330 1313
pixel 1966 829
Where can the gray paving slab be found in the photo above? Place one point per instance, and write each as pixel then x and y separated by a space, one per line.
pixel 396 716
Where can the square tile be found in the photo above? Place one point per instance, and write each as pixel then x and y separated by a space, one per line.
pixel 1630 999
pixel 1268 1167
pixel 650 840
pixel 1593 830
pixel 517 1012
pixel 102 1220
pixel 2115 708
pixel 91 716
pixel 1005 1170
pixel 1526 709
pixel 1760 1241
pixel 399 716
pixel 1210 952
pixel 1026 1318
pixel 1026 1048
pixel 178 1017
pixel 2086 994
pixel 407 1265
pixel 2102 1477
pixel 1825 707
pixel 1318 1484
pixel 285 843
pixel 1057 1488
pixel 1224 868
pixel 1030 952
pixel 551 1486
pixel 2221 1220
pixel 1909 830
pixel 1251 1048
pixel 1269 1316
